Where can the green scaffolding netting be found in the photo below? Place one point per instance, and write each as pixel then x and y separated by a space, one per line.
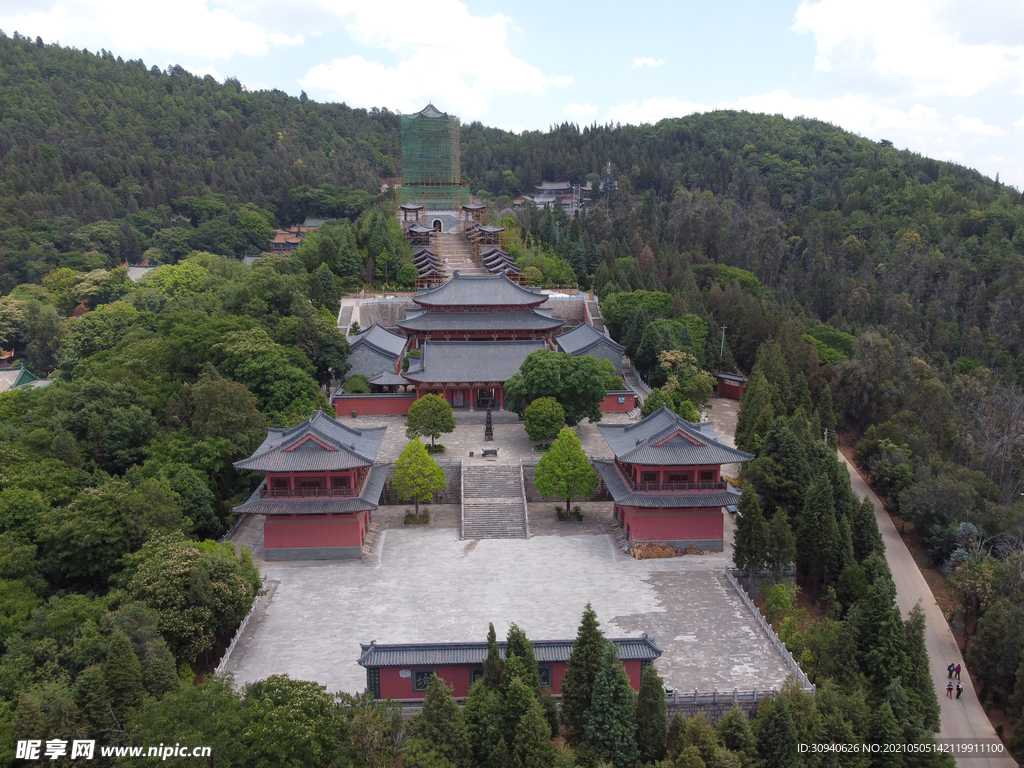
pixel 431 172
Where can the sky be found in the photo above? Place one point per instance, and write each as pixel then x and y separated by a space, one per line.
pixel 941 77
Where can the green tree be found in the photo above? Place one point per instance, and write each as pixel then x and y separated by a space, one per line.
pixel 93 699
pixel 651 717
pixel 544 419
pixel 482 714
pixel 564 470
pixel 818 544
pixel 441 724
pixel 919 681
pixel 430 416
pixel 781 543
pixel 653 402
pixel 122 674
pixel 995 650
pixel 777 734
pixel 610 724
pixel 493 663
pixel 533 740
pixel 578 384
pixel 518 644
pixel 585 661
pixel 867 539
pixel 737 735
pixel 517 697
pixel 417 475
pixel 750 547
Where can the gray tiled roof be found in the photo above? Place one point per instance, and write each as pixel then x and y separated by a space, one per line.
pixel 455 362
pixel 582 338
pixel 368 499
pixel 731 376
pixel 348 447
pixel 685 444
pixel 478 321
pixel 380 339
pixel 479 291
pixel 387 379
pixel 640 648
pixel 623 494
pixel 418 229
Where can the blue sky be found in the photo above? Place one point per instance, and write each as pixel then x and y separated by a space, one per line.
pixel 941 77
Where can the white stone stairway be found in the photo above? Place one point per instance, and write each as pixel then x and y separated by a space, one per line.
pixel 492 502
pixel 459 252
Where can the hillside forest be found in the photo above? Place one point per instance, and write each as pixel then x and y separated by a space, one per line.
pixel 868 292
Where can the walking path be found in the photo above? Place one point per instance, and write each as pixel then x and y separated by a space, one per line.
pixel 962 719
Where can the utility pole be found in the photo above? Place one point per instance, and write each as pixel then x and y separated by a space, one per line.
pixel 721 348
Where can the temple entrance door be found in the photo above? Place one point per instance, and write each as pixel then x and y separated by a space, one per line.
pixel 437 225
pixel 458 399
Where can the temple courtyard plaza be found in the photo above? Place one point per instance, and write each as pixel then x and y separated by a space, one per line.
pixel 422 584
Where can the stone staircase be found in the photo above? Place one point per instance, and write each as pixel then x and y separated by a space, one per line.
pixel 492 502
pixel 345 318
pixel 454 247
pixel 595 315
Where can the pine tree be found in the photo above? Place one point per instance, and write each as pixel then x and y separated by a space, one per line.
pixel 492 664
pixel 610 724
pixel 772 364
pixel 780 473
pixel 93 699
pixel 578 684
pixel 533 740
pixel 123 675
pixel 776 734
pixel 517 644
pixel 781 543
pixel 876 622
pixel 633 331
pixel 441 724
pixel 651 718
pixel 818 542
pixel 826 414
pixel 756 398
pixel 750 547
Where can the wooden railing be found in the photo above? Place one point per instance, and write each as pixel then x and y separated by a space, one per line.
pixel 306 493
pixel 710 485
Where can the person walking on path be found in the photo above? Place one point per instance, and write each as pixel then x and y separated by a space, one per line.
pixel 949 690
pixel 957 671
pixel 959 689
pixel 950 670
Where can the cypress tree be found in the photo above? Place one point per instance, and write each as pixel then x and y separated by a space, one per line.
pixel 493 663
pixel 441 724
pixel 123 675
pixel 818 542
pixel 651 718
pixel 750 547
pixel 827 414
pixel 756 397
pixel 517 644
pixel 886 730
pixel 698 732
pixel 160 675
pixel 533 740
pixel 93 699
pixel 482 716
pixel 878 627
pixel 633 331
pixel 517 698
pixel 578 684
pixel 776 734
pixel 867 539
pixel 736 734
pixel 780 473
pixel 781 543
pixel 772 364
pixel 610 725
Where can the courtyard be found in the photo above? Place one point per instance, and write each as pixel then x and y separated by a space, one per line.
pixel 422 584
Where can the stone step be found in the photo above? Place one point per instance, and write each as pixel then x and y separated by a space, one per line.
pixel 492 503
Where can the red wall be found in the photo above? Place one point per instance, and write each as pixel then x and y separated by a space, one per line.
pixel 373 405
pixel 611 403
pixel 731 390
pixel 393 686
pixel 672 524
pixel 280 531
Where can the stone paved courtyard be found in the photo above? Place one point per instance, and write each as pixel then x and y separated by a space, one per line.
pixel 423 585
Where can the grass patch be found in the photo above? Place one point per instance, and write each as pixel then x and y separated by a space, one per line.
pixel 542 448
pixel 423 519
pixel 435 448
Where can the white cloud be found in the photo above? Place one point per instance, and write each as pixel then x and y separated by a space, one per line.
pixel 188 28
pixel 448 54
pixel 204 71
pixel 912 46
pixel 1019 124
pixel 647 61
pixel 975 126
pixel 580 111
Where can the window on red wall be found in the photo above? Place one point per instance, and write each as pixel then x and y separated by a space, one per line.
pixel 339 482
pixel 280 484
pixel 707 476
pixel 648 477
